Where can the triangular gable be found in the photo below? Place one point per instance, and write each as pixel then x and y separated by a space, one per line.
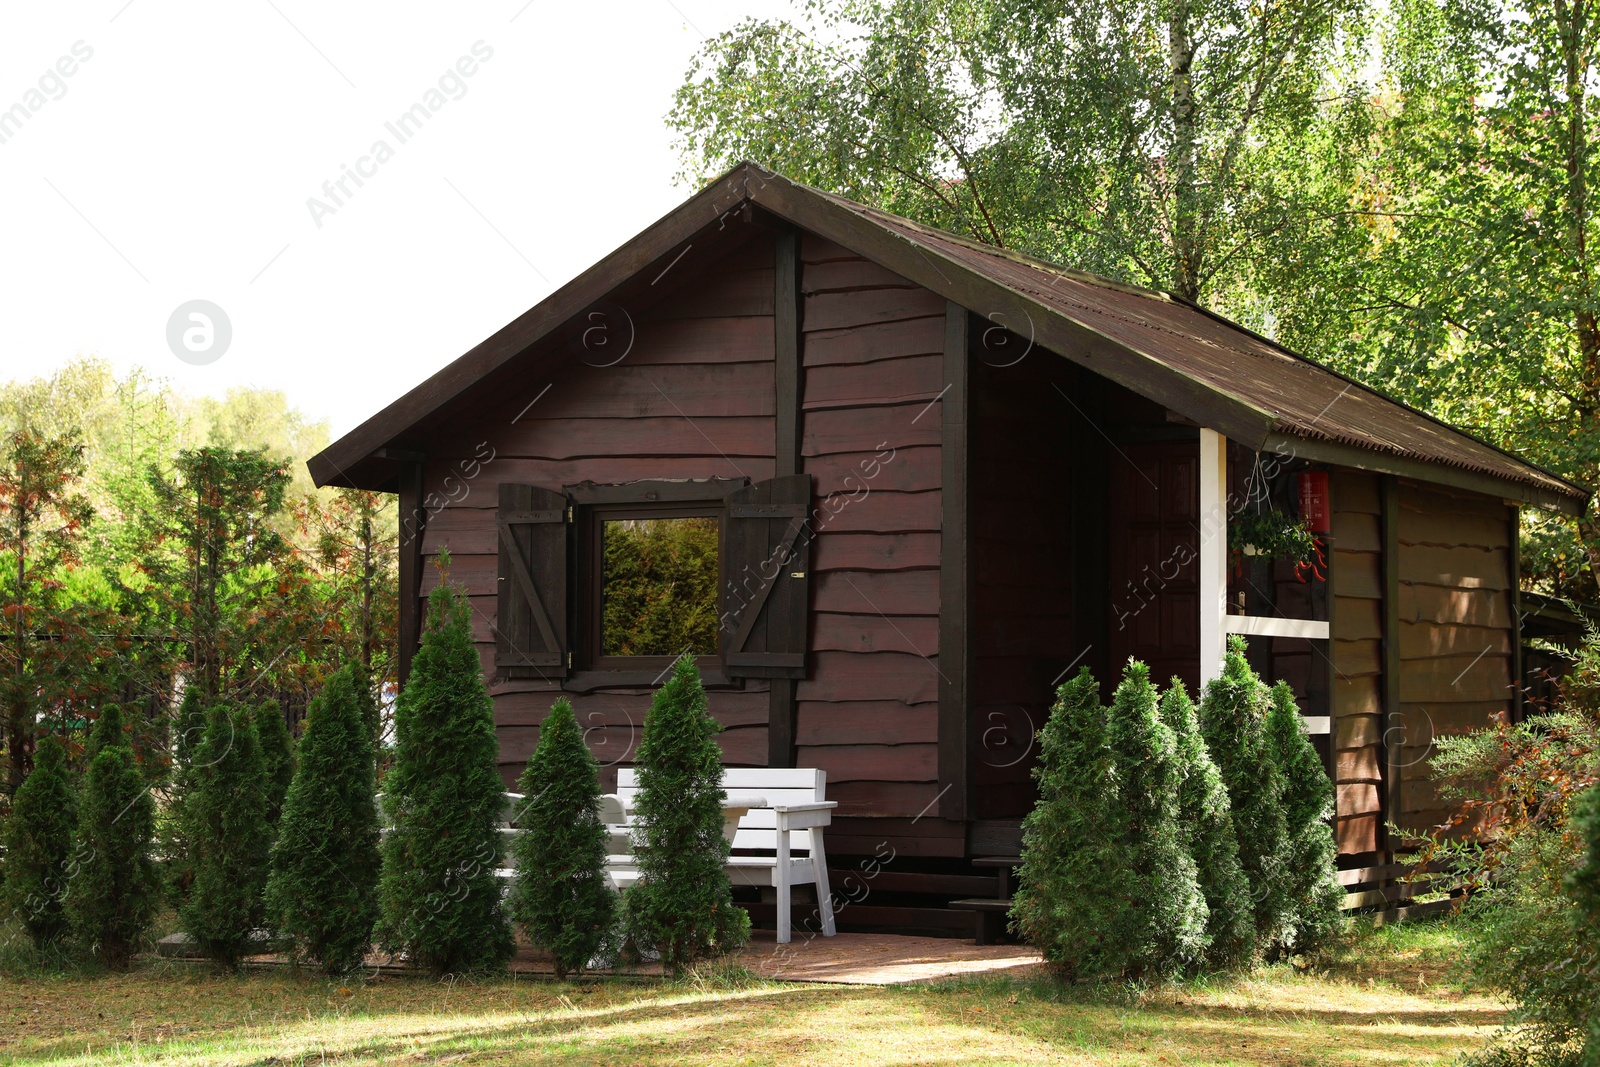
pixel 1197 364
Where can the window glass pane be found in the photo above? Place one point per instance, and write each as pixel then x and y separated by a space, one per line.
pixel 658 587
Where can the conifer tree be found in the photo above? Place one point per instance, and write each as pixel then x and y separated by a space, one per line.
pixel 38 843
pixel 323 889
pixel 1233 723
pixel 114 889
pixel 562 901
pixel 187 735
pixel 277 756
pixel 682 904
pixel 1060 906
pixel 1314 894
pixel 229 836
pixel 1205 824
pixel 439 895
pixel 1160 928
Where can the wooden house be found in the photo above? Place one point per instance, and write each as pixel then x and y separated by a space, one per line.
pixel 937 477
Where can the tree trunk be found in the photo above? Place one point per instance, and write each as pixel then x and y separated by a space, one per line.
pixel 1186 252
pixel 1572 25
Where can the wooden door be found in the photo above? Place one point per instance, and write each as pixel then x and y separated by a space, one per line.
pixel 1155 560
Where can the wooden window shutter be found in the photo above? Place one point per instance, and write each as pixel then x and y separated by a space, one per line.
pixel 531 629
pixel 767 574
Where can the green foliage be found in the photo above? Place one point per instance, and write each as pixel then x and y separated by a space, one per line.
pixel 38 841
pixel 277 755
pixel 188 734
pixel 229 836
pixel 439 895
pixel 1233 724
pixel 42 511
pixel 682 905
pixel 114 889
pixel 1314 894
pixel 1205 822
pixel 976 117
pixel 562 900
pixel 660 587
pixel 1584 887
pixel 1059 906
pixel 1532 940
pixel 323 888
pixel 1160 928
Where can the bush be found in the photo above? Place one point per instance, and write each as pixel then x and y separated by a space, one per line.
pixel 1205 822
pixel 1315 897
pixel 277 756
pixel 1584 887
pixel 682 904
pixel 323 888
pixel 1160 916
pixel 1233 723
pixel 562 900
pixel 188 735
pixel 1059 906
pixel 439 894
pixel 225 822
pixel 38 843
pixel 1516 840
pixel 114 889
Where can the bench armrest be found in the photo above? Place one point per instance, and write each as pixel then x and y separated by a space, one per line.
pixel 815 805
pixel 804 816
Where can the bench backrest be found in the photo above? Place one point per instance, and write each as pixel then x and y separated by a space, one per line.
pixel 776 785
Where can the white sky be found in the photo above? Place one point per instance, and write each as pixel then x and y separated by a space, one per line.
pixel 177 163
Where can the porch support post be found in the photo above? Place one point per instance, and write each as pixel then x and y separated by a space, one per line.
pixel 1213 552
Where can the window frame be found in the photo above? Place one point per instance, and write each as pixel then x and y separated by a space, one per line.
pixel 594 505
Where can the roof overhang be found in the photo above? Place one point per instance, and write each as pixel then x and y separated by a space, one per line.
pixel 375 453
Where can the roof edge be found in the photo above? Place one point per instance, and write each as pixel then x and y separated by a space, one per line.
pixel 1343 455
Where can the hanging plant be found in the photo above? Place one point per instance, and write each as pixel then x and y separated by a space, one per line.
pixel 1276 535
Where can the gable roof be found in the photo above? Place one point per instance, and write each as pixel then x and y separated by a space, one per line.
pixel 1193 362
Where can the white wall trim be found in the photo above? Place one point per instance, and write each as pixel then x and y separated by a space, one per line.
pixel 1264 626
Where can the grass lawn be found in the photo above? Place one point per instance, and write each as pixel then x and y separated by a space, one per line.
pixel 1385 1000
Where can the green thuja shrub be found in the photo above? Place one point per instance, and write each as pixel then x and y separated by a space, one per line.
pixel 188 733
pixel 562 900
pixel 1315 896
pixel 114 889
pixel 1159 929
pixel 1233 724
pixel 1205 823
pixel 1060 905
pixel 682 905
pixel 323 888
pixel 277 755
pixel 38 842
pixel 439 897
pixel 225 822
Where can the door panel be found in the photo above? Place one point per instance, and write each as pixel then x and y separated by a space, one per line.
pixel 1154 535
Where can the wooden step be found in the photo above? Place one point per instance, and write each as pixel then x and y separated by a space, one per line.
pixel 981 904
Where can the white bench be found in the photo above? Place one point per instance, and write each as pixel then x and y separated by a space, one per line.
pixel 770 814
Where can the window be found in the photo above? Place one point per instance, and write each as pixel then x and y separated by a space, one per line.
pixel 604 586
pixel 656 579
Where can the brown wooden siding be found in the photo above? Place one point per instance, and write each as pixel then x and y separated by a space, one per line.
pixel 1456 630
pixel 693 398
pixel 1355 566
pixel 870 430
